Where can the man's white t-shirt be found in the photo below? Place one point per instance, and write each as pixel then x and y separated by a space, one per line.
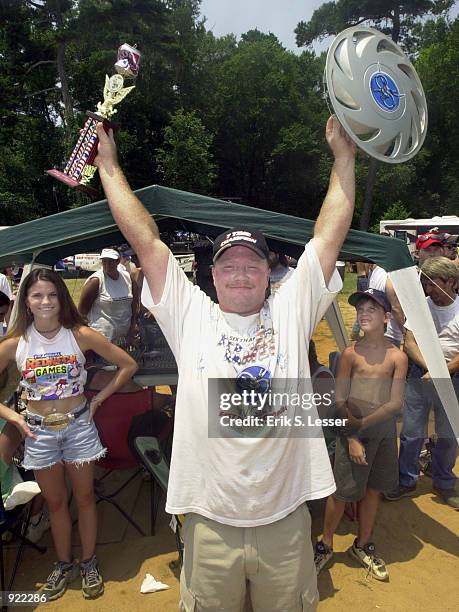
pixel 242 481
pixel 378 280
pixel 446 321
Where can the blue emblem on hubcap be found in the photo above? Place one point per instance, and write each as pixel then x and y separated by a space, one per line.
pixel 384 91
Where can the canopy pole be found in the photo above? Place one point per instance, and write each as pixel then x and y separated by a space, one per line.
pixel 25 271
pixel 336 323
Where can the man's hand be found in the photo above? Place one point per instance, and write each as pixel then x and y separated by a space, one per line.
pixel 357 452
pixel 107 157
pixel 340 143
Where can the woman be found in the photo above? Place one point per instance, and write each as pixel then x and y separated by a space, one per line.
pixel 48 340
pixel 110 300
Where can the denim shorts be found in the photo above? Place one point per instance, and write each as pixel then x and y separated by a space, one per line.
pixel 78 443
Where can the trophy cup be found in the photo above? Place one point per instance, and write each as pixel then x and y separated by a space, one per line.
pixel 79 169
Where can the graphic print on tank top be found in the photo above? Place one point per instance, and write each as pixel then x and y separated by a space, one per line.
pixel 50 374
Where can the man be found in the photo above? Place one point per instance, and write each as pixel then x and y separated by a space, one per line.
pixel 430 244
pixel 244 498
pixel 450 245
pixel 439 277
pixel 110 300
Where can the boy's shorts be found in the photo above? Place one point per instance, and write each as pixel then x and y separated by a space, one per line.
pixel 78 443
pixel 381 473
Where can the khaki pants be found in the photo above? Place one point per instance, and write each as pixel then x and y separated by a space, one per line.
pixel 274 561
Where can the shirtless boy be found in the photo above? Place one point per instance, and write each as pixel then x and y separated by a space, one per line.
pixel 369 392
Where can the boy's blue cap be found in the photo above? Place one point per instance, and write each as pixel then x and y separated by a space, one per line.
pixel 373 294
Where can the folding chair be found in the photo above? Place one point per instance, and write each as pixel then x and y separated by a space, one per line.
pixel 113 419
pixel 154 460
pixel 9 521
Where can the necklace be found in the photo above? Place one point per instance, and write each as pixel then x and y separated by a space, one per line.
pixel 49 331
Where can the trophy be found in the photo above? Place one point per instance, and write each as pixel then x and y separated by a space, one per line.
pixel 79 169
pixel 376 94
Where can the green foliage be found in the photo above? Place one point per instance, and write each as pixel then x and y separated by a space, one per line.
pixel 185 160
pixel 396 19
pixel 242 119
pixel 396 210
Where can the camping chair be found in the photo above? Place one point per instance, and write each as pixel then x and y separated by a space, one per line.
pixel 154 460
pixel 113 419
pixel 9 523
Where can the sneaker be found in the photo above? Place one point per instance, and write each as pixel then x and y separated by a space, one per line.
pixel 322 556
pixel 366 556
pixel 61 576
pixel 400 492
pixel 38 524
pixel 449 496
pixel 92 582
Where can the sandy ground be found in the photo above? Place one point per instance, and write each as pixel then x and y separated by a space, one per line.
pixel 417 537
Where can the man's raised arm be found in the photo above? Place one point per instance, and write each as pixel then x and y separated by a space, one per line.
pixel 335 215
pixel 133 220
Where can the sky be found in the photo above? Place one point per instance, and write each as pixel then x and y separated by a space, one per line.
pixel 277 16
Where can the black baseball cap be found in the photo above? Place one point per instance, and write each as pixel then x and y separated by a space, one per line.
pixel 241 236
pixel 373 294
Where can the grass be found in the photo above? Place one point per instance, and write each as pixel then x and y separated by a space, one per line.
pixel 75 285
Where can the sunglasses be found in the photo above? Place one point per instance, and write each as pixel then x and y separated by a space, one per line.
pixel 439 237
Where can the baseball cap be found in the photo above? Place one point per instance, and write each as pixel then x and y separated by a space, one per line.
pixel 109 254
pixel 424 241
pixel 373 294
pixel 241 236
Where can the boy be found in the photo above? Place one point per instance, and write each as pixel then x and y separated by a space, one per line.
pixel 369 393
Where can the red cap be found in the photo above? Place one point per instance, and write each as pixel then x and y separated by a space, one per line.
pixel 424 241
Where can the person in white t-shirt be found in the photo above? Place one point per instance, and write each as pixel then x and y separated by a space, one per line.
pixel 439 277
pixel 110 301
pixel 243 496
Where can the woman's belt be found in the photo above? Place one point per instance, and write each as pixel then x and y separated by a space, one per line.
pixel 56 420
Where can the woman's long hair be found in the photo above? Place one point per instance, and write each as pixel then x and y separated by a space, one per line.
pixel 69 316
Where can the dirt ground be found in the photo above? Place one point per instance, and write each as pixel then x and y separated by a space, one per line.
pixel 418 538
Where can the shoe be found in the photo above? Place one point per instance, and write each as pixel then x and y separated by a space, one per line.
pixel 61 576
pixel 400 492
pixel 449 496
pixel 92 582
pixel 366 556
pixel 37 527
pixel 322 556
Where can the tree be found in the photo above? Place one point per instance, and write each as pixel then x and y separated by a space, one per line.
pixel 184 159
pixel 266 117
pixel 395 19
pixel 438 66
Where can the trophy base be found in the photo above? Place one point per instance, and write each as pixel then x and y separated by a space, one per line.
pixel 64 178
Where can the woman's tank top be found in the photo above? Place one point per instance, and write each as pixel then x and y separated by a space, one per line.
pixel 51 368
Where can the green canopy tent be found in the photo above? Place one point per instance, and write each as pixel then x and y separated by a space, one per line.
pixel 92 227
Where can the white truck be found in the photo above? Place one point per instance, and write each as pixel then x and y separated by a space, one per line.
pixel 409 229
